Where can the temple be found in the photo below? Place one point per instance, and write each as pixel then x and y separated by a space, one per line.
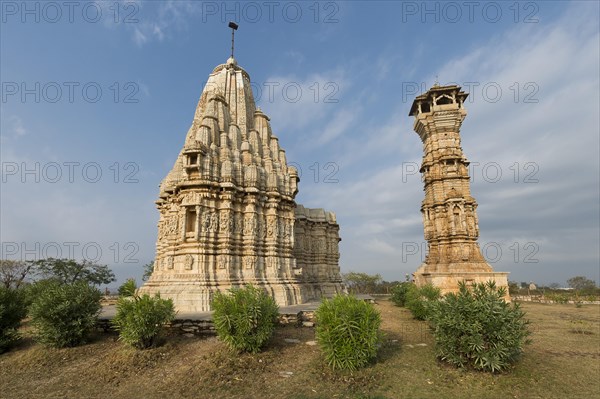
pixel 449 217
pixel 227 210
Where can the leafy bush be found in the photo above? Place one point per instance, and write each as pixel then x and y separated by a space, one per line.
pixel 245 318
pixel 419 300
pixel 64 314
pixel 399 293
pixel 348 332
pixel 140 320
pixel 558 298
pixel 128 288
pixel 32 291
pixel 477 328
pixel 13 309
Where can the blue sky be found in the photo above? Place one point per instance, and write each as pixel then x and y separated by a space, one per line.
pixel 97 98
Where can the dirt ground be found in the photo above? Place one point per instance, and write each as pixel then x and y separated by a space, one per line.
pixel 562 362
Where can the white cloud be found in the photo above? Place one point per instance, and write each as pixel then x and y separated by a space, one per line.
pixel 378 246
pixel 296 103
pixel 13 127
pixel 368 134
pixel 148 21
pixel 139 38
pixel 295 56
pixel 559 134
pixel 17 126
pixel 342 121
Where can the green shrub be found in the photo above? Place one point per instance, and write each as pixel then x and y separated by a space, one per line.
pixel 245 318
pixel 13 309
pixel 399 293
pixel 64 314
pixel 348 332
pixel 128 288
pixel 33 290
pixel 140 320
pixel 558 298
pixel 477 328
pixel 419 300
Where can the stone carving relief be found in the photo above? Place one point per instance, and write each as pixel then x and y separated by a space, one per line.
pixel 271 262
pixel 272 230
pixel 223 262
pixel 168 226
pixel 249 261
pixel 226 222
pixel 188 262
pixel 227 208
pixel 237 223
pixel 250 225
pixel 210 222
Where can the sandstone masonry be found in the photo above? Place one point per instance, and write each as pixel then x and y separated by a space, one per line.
pixel 227 210
pixel 448 210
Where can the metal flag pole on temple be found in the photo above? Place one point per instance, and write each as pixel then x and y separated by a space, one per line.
pixel 233 27
pixel 225 223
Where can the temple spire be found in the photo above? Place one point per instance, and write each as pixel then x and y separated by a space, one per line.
pixel 228 216
pixel 233 27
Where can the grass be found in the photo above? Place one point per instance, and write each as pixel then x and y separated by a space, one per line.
pixel 562 362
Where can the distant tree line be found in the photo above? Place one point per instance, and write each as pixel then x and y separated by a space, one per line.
pixel 363 283
pixel 18 273
pixel 578 286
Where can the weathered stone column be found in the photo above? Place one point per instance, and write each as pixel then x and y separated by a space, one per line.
pixel 449 218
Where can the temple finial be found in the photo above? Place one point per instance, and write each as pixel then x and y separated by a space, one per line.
pixel 437 82
pixel 233 27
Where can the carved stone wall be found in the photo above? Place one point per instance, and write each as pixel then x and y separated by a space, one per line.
pixel 316 250
pixel 449 217
pixel 227 210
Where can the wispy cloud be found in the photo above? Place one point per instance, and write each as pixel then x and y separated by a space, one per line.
pixel 149 21
pixel 298 102
pixel 13 127
pixel 558 134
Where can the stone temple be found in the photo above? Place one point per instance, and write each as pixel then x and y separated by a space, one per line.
pixel 449 217
pixel 227 210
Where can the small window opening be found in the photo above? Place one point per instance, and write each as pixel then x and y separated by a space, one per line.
pixel 190 225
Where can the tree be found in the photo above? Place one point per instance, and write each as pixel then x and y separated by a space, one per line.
pixel 68 271
pixel 581 283
pixel 148 269
pixel 361 283
pixel 13 273
pixel 513 287
pixel 127 289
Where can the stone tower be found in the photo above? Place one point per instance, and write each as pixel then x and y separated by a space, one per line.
pixel 227 210
pixel 448 210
